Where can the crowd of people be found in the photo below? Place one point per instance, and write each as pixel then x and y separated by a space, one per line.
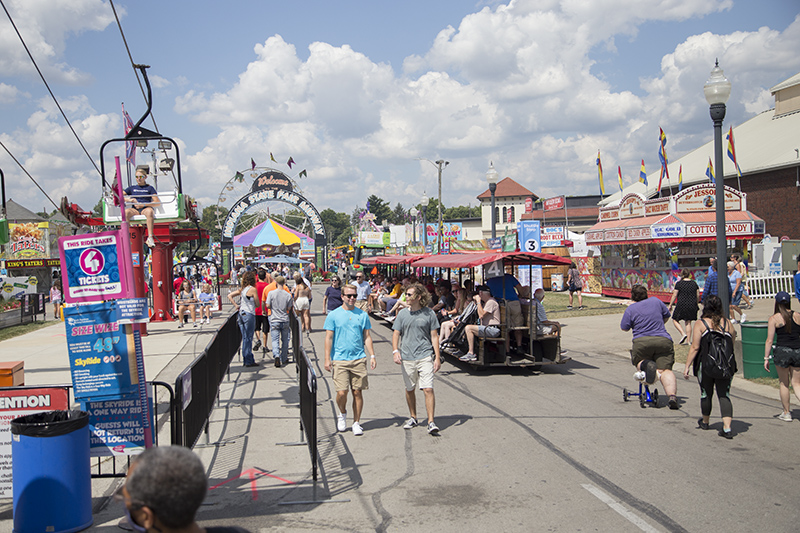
pixel 711 355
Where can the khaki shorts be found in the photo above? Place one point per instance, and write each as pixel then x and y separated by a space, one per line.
pixel 658 349
pixel 418 372
pixel 362 304
pixel 350 374
pixel 514 313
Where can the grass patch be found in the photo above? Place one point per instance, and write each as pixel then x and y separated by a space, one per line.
pixel 772 382
pixel 16 331
pixel 555 303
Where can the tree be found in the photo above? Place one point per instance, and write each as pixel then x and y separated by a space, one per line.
pixel 336 225
pixel 399 214
pixel 461 211
pixel 98 208
pixel 379 208
pixel 210 217
pixel 432 214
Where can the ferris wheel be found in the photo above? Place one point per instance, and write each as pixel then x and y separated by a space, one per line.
pixel 240 185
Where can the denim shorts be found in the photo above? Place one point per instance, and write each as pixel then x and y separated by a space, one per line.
pixel 488 331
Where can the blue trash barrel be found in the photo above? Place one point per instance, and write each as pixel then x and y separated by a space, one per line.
pixel 52 482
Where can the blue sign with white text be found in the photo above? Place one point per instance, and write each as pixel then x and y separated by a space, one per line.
pixel 101 353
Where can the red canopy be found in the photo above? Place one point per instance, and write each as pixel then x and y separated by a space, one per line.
pixel 391 259
pixel 476 259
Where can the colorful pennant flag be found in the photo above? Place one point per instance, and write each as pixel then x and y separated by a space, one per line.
pixel 302 174
pixel 290 162
pixel 619 177
pixel 643 175
pixel 710 171
pixel 130 146
pixel 732 152
pixel 600 175
pixel 680 178
pixel 662 155
pixel 272 157
pixel 252 164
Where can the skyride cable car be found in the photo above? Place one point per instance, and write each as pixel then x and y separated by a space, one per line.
pixel 173 207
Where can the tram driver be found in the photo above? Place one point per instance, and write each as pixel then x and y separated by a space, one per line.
pixel 142 199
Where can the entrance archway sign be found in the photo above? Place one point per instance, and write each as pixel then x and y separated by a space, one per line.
pixel 273 185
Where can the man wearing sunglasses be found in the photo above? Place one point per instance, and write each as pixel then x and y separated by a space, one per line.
pixel 418 353
pixel 363 288
pixel 163 490
pixel 346 335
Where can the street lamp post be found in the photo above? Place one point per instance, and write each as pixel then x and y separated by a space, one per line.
pixel 717 90
pixel 491 177
pixel 413 212
pixel 440 237
pixel 424 203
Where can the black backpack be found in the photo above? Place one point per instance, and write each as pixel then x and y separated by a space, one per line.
pixel 716 358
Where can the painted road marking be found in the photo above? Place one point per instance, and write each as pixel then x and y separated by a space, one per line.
pixel 619 508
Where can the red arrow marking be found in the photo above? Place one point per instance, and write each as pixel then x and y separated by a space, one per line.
pixel 253 474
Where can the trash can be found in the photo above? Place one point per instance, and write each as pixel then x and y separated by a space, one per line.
pixel 754 335
pixel 51 475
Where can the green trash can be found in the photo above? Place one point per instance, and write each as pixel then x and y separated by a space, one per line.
pixel 754 335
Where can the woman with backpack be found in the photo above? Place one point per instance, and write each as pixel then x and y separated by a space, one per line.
pixel 711 358
pixel 785 324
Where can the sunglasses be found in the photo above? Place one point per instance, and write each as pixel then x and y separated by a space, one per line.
pixel 348 295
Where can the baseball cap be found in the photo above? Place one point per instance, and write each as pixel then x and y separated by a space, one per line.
pixel 783 297
pixel 485 288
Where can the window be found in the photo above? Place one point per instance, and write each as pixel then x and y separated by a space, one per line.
pixel 505 214
pixel 511 214
pixel 497 214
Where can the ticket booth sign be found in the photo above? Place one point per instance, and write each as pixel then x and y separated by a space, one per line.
pixel 90 267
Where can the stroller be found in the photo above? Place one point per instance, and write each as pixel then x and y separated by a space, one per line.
pixel 456 343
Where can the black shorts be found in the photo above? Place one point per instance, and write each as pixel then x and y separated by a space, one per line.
pixel 786 357
pixel 262 324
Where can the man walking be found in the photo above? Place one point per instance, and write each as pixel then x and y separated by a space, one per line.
pixel 346 335
pixel 279 302
pixel 363 288
pixel 418 353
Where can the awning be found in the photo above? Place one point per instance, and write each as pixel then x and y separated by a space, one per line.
pixel 392 259
pixel 679 227
pixel 477 259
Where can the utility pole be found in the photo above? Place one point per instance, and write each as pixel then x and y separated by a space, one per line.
pixel 440 238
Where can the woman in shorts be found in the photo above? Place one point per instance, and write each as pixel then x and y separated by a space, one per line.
pixel 684 300
pixel 55 297
pixel 785 325
pixel 575 285
pixel 302 301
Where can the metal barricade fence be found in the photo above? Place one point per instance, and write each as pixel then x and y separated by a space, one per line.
pixel 197 387
pixel 308 405
pixel 768 285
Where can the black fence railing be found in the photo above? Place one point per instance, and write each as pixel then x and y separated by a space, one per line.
pixel 197 387
pixel 308 405
pixel 30 306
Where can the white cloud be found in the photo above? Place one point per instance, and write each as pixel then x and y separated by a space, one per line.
pixel 10 94
pixel 45 26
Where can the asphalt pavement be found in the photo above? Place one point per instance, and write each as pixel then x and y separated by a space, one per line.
pixel 518 450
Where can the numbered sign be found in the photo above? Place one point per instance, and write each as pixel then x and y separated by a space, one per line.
pixel 90 267
pixel 494 269
pixel 530 239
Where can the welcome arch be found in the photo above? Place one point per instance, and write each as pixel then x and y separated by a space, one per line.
pixel 272 185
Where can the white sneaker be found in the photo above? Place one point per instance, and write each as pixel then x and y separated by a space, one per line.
pixel 150 242
pixel 786 417
pixel 357 429
pixel 734 321
pixel 410 423
pixel 341 422
pixel 639 376
pixel 433 429
pixel 743 319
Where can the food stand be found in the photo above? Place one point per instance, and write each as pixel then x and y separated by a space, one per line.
pixel 649 241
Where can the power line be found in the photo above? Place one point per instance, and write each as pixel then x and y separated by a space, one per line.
pixel 26 172
pixel 130 57
pixel 48 88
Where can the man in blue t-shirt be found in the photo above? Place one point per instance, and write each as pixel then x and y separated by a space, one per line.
pixel 505 287
pixel 346 336
pixel 653 352
pixel 142 198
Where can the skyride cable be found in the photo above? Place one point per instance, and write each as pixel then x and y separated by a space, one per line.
pixel 48 90
pixel 26 172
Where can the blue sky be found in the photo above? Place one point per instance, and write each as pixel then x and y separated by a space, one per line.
pixel 356 91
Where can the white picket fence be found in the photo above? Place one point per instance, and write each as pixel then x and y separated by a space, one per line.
pixel 768 285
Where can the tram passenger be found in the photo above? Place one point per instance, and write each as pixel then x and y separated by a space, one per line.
pixel 543 326
pixel 653 352
pixel 507 287
pixel 445 307
pixel 141 198
pixel 489 314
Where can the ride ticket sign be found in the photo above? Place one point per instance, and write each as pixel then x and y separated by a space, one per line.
pixel 90 267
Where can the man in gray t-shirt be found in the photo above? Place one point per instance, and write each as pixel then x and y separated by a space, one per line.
pixel 279 302
pixel 418 354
